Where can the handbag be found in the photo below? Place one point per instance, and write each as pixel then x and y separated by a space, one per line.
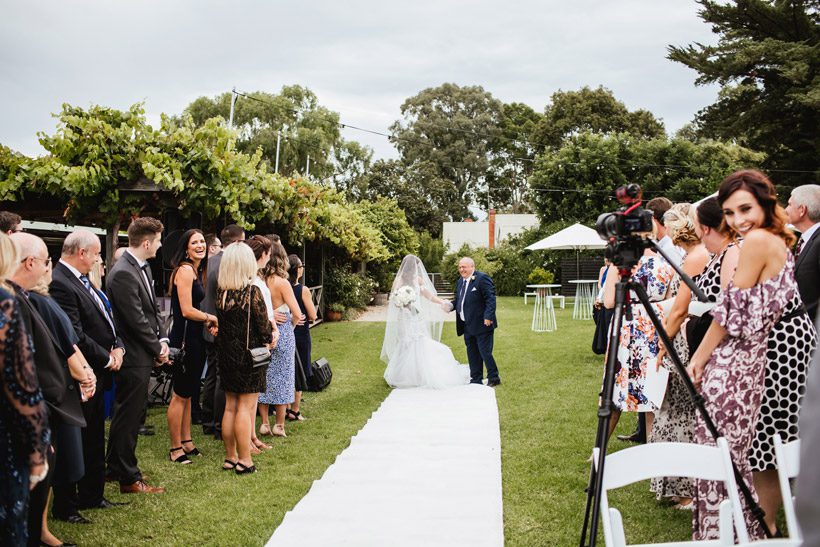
pixel 260 356
pixel 322 375
pixel 176 356
pixel 600 338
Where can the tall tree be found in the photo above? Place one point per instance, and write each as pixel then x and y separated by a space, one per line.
pixel 766 62
pixel 513 159
pixel 306 127
pixel 591 110
pixel 577 182
pixel 449 133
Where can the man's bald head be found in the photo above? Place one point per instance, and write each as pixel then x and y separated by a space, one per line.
pixel 466 267
pixel 34 260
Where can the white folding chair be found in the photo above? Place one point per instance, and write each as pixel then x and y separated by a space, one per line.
pixel 651 460
pixel 787 456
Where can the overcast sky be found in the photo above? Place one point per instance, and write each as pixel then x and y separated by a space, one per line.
pixel 362 58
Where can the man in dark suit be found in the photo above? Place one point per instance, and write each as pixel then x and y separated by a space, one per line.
pixel 61 392
pixel 474 305
pixel 213 399
pixel 90 314
pixel 138 324
pixel 804 213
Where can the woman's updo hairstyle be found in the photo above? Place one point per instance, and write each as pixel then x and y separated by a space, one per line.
pixel 679 225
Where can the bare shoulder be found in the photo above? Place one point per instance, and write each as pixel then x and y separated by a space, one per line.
pixel 760 241
pixel 185 273
pixel 696 260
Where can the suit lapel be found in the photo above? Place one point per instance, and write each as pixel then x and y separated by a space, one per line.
pixel 78 285
pixel 806 248
pixel 135 265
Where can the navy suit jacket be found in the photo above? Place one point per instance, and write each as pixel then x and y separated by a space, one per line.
pixel 479 304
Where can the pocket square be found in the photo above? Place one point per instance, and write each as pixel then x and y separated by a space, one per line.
pixel 473 289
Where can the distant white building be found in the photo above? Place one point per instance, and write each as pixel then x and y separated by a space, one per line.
pixel 496 229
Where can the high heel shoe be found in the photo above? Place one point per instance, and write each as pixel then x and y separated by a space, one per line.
pixel 194 451
pixel 228 465
pixel 264 430
pixel 242 469
pixel 294 415
pixel 181 459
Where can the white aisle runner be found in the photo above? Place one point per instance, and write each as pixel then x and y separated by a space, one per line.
pixel 425 470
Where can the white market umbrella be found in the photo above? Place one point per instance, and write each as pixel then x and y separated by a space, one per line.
pixel 577 237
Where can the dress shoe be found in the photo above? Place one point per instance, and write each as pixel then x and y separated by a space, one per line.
pixel 145 431
pixel 76 518
pixel 634 438
pixel 495 382
pixel 140 487
pixel 105 504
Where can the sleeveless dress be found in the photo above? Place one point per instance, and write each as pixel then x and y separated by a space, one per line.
pixel 675 420
pixel 732 386
pixel 638 344
pixel 421 361
pixel 236 372
pixel 281 377
pixel 187 377
pixel 302 335
pixel 789 351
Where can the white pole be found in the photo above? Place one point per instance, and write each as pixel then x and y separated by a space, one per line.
pixel 233 102
pixel 278 140
pixel 307 174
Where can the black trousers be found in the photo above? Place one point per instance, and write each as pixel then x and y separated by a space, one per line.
pixel 213 398
pixel 479 355
pixel 91 486
pixel 131 398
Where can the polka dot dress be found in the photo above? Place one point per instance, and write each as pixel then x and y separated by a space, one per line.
pixel 791 344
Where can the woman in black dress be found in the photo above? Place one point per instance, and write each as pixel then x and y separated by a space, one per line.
pixel 302 332
pixel 243 324
pixel 190 263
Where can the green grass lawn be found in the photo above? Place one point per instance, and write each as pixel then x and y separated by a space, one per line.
pixel 547 407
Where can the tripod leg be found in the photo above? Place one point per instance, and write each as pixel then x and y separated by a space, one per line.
pixel 592 510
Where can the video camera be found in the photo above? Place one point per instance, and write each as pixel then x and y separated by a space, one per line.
pixel 623 228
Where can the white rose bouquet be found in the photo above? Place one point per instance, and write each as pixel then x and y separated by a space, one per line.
pixel 406 297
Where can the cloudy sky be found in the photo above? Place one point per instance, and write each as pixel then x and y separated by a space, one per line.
pixel 362 58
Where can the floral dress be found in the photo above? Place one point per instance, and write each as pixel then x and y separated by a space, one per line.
pixel 733 383
pixel 638 342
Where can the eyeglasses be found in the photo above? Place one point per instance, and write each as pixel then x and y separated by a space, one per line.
pixel 46 261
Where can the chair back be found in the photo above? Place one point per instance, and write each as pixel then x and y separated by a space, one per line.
pixel 652 460
pixel 787 458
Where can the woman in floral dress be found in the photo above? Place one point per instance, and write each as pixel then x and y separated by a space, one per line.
pixel 638 342
pixel 730 365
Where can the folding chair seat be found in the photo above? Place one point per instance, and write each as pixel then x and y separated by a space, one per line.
pixel 652 460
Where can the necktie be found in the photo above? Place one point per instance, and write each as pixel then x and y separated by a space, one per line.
pixel 799 246
pixel 463 297
pixel 100 299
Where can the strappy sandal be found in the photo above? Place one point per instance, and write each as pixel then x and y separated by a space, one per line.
pixel 242 469
pixel 194 451
pixel 181 459
pixel 294 415
pixel 261 445
pixel 228 465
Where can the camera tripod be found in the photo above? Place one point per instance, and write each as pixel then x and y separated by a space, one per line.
pixel 625 262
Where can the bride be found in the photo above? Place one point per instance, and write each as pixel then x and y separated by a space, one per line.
pixel 411 348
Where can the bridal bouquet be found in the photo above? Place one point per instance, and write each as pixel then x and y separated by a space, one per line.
pixel 406 297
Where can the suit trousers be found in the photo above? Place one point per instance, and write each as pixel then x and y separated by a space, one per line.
pixel 213 398
pixel 131 398
pixel 91 486
pixel 479 355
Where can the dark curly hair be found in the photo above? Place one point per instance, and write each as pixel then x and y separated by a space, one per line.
pixel 759 185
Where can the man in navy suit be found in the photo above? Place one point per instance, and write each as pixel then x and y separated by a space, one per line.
pixel 474 305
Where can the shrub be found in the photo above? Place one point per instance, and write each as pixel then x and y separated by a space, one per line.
pixel 350 290
pixel 540 276
pixel 431 251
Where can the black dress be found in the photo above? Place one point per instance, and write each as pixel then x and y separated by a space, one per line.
pixel 236 334
pixel 188 376
pixel 24 431
pixel 302 333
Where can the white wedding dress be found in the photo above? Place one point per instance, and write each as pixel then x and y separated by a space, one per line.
pixel 411 348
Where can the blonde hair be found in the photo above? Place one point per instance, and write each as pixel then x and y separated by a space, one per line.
pixel 237 268
pixel 8 258
pixel 95 274
pixel 680 224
